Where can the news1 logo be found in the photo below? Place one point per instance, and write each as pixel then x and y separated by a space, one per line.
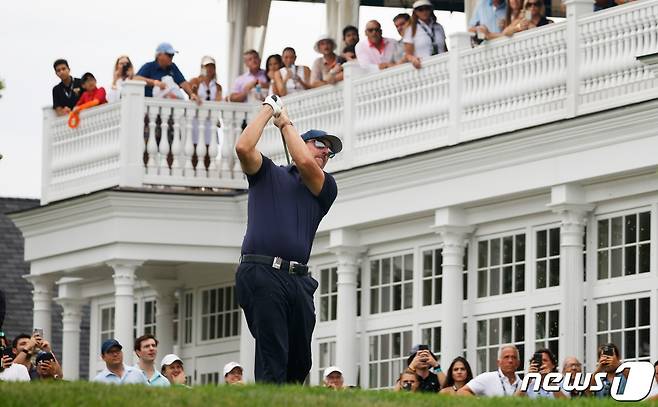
pixel 637 387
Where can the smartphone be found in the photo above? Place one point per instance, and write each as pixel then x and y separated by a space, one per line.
pixel 423 347
pixel 537 359
pixel 608 351
pixel 37 331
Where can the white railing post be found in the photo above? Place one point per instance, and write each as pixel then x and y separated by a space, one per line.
pixel 46 154
pixel 351 71
pixel 131 168
pixel 459 41
pixel 576 9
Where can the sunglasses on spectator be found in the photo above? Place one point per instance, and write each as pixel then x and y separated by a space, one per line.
pixel 372 30
pixel 530 5
pixel 424 8
pixel 321 145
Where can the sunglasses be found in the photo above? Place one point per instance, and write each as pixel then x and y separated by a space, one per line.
pixel 373 30
pixel 321 145
pixel 530 5
pixel 424 8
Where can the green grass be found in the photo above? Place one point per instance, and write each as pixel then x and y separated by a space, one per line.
pixel 93 394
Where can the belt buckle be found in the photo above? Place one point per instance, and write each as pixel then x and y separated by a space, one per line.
pixel 291 267
pixel 277 263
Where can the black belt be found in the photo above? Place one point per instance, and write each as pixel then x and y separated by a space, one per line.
pixel 292 267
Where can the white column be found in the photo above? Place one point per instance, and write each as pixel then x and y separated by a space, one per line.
pixel 42 295
pixel 344 244
pixel 576 9
pixel 247 351
pixel 458 41
pixel 164 316
pixel 132 147
pixel 71 301
pixel 124 298
pixel 237 19
pixel 351 72
pixel 451 225
pixel 569 201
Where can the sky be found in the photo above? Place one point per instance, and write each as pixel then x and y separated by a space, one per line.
pixel 91 35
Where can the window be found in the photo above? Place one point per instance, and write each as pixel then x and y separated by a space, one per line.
pixel 175 320
pixel 501 265
pixel 433 276
pixel 208 378
pixel 107 323
pixel 547 330
pixel 432 337
pixel 491 333
pixel 626 324
pixel 328 294
pixel 149 317
pixel 387 358
pixel 624 245
pixel 547 256
pixel 188 309
pixel 327 358
pixel 391 283
pixel 220 314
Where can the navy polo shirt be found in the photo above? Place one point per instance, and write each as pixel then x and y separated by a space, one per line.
pixel 283 214
pixel 153 70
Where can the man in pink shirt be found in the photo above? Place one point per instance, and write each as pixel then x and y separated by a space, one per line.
pixel 377 52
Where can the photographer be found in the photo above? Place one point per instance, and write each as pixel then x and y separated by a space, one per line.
pixel 408 381
pixel 420 361
pixel 542 362
pixel 608 363
pixel 9 371
pixel 123 71
pixel 25 347
pixel 47 366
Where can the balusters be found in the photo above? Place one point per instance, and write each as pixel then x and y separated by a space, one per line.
pixel 163 147
pixel 151 144
pixel 176 147
pixel 191 125
pixel 216 128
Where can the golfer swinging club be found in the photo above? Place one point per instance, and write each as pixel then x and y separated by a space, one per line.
pixel 286 204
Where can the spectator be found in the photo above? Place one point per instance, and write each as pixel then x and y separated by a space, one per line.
pixel 47 366
pixel 502 382
pixel 67 91
pixel 9 371
pixel 333 378
pixel 543 362
pixel 146 349
pixel 572 366
pixel 163 65
pixel 171 367
pixel 489 17
pixel 327 69
pixel 123 71
pixel 377 52
pixel 420 361
pixel 604 4
pixel 295 77
pixel 400 21
pixel 514 19
pixel 91 93
pixel 115 371
pixel 350 36
pixel 535 15
pixel 459 373
pixel 429 40
pixel 249 86
pixel 608 362
pixel 233 373
pixel 408 381
pixel 349 53
pixel 24 347
pixel 273 64
pixel 205 85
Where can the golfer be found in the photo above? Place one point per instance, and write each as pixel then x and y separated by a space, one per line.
pixel 286 204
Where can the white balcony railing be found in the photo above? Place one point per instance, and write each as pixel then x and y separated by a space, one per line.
pixel 584 65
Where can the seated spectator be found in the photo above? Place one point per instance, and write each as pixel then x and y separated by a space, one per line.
pixel 24 347
pixel 48 367
pixel 233 373
pixel 146 349
pixel 514 19
pixel 327 69
pixel 249 86
pixel 295 77
pixel 572 366
pixel 349 53
pixel 115 371
pixel 608 362
pixel 67 91
pixel 400 21
pixel 543 362
pixel 502 382
pixel 333 378
pixel 423 36
pixel 489 17
pixel 408 381
pixel 535 14
pixel 123 71
pixel 205 85
pixel 459 373
pixel 420 361
pixel 377 52
pixel 350 36
pixel 171 367
pixel 91 93
pixel 9 371
pixel 273 64
pixel 163 65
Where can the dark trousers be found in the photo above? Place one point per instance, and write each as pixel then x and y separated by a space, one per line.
pixel 281 316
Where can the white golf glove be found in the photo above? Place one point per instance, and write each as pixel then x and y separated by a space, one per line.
pixel 275 102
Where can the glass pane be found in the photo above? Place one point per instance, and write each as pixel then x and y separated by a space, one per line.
pixel 519 330
pixel 542 247
pixel 334 280
pixel 386 299
pixel 602 312
pixel 213 301
pixel 508 279
pixel 427 292
pixel 615 262
pixel 374 272
pixel 630 228
pixel 425 335
pixel 438 262
pixel 223 304
pixel 386 271
pixel 495 281
pixel 644 258
pixel 645 226
pixel 540 325
pixel 508 249
pixel 482 361
pixel 482 333
pixel 602 264
pixel 603 233
pixel 541 274
pixel 482 283
pixel 384 374
pixel 554 275
pixel 493 357
pixel 553 324
pixel 374 301
pixel 495 252
pixel 644 311
pixel 643 342
pixel 629 351
pixel 629 314
pixel 324 308
pixel 465 286
pixel 494 331
pixel 483 254
pixel 396 344
pixel 554 242
pixel 204 303
pixel 519 278
pixel 616 231
pixel 384 346
pixel 427 263
pixel 615 337
pixel 408 266
pixel 397 297
pixel 601 339
pixel 438 290
pixel 629 260
pixel 406 341
pixel 374 348
pixel 373 376
pixel 520 247
pixel 334 302
pixel 506 330
pixel 397 269
pixel 615 315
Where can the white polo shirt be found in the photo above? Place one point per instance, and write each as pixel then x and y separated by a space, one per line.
pixel 423 40
pixel 494 384
pixel 15 373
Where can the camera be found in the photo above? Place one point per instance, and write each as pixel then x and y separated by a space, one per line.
pixel 608 350
pixel 406 386
pixel 537 359
pixel 125 69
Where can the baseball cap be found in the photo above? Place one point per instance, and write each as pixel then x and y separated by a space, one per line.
pixel 335 145
pixel 332 369
pixel 169 359
pixel 165 48
pixel 230 366
pixel 207 60
pixel 421 3
pixel 324 37
pixel 43 356
pixel 110 343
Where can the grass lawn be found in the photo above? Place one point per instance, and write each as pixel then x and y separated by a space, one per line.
pixel 92 394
